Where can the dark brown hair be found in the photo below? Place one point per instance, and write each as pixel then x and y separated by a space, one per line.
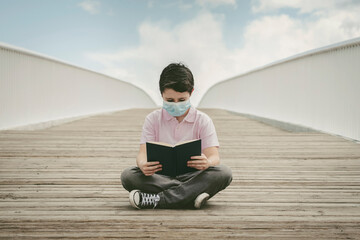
pixel 178 77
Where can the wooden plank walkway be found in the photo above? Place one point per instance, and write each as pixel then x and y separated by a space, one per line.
pixel 63 182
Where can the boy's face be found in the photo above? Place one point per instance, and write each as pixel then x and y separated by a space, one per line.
pixel 170 95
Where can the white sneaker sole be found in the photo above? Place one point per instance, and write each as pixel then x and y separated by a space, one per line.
pixel 133 199
pixel 201 200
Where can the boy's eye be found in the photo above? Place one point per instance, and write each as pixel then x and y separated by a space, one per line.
pixel 171 100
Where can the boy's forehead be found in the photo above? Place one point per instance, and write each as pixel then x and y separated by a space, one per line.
pixel 171 93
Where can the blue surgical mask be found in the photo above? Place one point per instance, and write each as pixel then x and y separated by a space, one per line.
pixel 177 109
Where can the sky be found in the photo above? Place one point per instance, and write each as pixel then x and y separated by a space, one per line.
pixel 133 40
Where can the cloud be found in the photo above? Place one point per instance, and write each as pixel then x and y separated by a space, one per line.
pixel 90 6
pixel 274 37
pixel 304 6
pixel 216 3
pixel 180 4
pixel 199 43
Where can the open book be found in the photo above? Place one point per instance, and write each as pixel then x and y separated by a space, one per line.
pixel 173 158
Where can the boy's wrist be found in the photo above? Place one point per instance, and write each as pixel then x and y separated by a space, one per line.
pixel 140 163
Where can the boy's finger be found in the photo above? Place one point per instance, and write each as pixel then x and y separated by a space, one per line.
pixel 151 172
pixel 152 167
pixel 152 163
pixel 199 161
pixel 192 162
pixel 159 169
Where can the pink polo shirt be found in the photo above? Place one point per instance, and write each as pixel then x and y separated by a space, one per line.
pixel 160 126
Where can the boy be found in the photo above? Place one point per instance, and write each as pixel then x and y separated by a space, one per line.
pixel 175 122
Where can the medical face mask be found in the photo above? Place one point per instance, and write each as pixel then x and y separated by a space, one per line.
pixel 177 109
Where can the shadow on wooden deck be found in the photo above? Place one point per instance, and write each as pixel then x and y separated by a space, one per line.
pixel 63 182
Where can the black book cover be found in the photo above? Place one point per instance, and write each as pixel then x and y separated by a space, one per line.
pixel 173 158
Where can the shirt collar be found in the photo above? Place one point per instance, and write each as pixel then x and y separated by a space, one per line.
pixel 190 117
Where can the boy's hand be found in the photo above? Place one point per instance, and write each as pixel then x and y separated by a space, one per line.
pixel 199 162
pixel 150 168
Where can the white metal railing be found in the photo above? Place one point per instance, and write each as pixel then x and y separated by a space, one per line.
pixel 319 89
pixel 37 89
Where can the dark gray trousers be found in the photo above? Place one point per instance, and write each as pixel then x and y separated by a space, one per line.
pixel 180 191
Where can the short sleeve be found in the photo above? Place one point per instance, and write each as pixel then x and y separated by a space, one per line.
pixel 208 134
pixel 148 130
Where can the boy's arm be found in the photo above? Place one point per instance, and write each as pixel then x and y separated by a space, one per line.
pixel 141 157
pixel 212 154
pixel 148 168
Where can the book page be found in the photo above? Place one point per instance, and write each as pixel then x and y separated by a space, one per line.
pixel 162 144
pixel 193 140
pixel 169 145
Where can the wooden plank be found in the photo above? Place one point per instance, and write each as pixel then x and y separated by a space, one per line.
pixel 64 182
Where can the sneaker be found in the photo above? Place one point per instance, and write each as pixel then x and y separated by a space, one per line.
pixel 140 200
pixel 201 200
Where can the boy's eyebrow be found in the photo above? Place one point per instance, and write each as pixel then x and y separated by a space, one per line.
pixel 178 98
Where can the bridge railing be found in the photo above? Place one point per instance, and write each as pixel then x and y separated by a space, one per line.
pixel 37 91
pixel 319 89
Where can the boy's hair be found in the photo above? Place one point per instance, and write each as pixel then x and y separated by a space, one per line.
pixel 178 77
